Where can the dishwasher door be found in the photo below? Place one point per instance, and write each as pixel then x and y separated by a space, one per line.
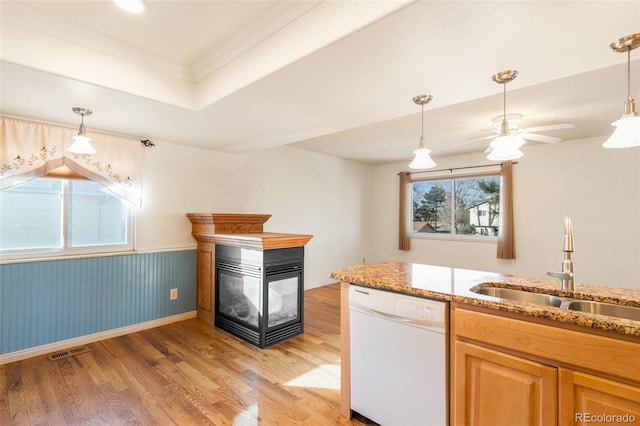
pixel 398 358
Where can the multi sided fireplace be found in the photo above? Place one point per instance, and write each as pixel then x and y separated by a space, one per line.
pixel 259 293
pixel 250 282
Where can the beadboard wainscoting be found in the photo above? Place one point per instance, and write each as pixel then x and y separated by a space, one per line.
pixel 45 302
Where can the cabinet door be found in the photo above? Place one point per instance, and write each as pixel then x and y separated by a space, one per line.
pixel 590 399
pixel 493 388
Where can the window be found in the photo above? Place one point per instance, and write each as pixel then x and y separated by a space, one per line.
pixel 457 206
pixel 57 216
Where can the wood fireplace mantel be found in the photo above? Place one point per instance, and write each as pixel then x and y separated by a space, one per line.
pixel 231 229
pixel 227 223
pixel 263 241
pixel 244 230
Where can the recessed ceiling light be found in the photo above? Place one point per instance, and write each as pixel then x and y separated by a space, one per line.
pixel 131 6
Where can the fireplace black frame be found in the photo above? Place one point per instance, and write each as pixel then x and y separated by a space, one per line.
pixel 266 266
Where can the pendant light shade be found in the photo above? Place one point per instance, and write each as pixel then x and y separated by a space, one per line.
pixel 506 145
pixel 422 159
pixel 627 132
pixel 81 145
pixel 81 142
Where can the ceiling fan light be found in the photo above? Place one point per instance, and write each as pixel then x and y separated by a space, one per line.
pixel 506 142
pixel 422 160
pixel 626 134
pixel 504 155
pixel 505 148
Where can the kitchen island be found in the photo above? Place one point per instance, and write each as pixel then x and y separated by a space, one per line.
pixel 571 361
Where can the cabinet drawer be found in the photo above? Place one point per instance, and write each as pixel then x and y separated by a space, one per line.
pixel 562 347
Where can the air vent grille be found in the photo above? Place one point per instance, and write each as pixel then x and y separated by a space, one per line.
pixel 239 268
pixel 68 353
pixel 283 269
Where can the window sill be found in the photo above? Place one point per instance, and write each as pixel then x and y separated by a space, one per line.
pixel 456 237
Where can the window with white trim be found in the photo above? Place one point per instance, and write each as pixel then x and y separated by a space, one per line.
pixel 467 205
pixel 50 217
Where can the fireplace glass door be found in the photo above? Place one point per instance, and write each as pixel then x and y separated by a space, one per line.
pixel 240 298
pixel 283 300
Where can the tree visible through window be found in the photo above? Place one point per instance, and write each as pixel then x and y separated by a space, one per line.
pixel 468 206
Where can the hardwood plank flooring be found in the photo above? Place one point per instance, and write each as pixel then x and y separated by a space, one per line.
pixel 187 373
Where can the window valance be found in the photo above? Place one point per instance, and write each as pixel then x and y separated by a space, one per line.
pixel 29 150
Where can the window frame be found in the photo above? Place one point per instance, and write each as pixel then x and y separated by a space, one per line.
pixel 453 236
pixel 66 251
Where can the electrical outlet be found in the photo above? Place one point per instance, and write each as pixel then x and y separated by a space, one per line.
pixel 173 294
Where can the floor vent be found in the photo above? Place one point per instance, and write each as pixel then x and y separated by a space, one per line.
pixel 68 353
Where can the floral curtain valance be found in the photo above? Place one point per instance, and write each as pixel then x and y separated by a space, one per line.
pixel 29 150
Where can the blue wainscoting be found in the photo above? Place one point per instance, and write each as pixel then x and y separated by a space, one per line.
pixel 46 302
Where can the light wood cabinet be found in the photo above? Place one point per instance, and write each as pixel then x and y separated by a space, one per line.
pixel 206 281
pixel 585 398
pixel 493 388
pixel 506 370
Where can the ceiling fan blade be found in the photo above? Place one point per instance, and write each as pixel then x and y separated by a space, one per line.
pixel 551 127
pixel 541 138
pixel 475 140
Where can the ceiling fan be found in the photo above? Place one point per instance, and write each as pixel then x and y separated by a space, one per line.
pixel 509 137
pixel 513 123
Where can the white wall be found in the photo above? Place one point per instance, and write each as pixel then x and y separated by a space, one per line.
pixel 351 208
pixel 310 193
pixel 305 192
pixel 598 188
pixel 180 180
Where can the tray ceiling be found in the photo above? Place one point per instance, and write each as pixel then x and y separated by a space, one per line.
pixel 333 77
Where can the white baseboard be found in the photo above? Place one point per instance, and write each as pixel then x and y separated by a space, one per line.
pixel 90 338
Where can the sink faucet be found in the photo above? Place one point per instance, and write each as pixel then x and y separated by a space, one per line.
pixel 567 278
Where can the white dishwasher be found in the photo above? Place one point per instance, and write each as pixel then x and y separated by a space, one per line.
pixel 399 351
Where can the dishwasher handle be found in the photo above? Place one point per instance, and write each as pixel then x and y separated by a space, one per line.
pixel 375 312
pixel 435 326
pixel 412 311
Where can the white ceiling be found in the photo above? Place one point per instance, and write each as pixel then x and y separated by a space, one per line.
pixel 336 77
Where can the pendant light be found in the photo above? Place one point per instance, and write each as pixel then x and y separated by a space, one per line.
pixel 81 142
pixel 627 132
pixel 505 146
pixel 422 160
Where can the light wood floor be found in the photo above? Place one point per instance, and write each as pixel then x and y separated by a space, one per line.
pixel 187 373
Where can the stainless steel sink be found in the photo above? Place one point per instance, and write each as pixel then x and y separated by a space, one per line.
pixel 578 305
pixel 609 309
pixel 521 296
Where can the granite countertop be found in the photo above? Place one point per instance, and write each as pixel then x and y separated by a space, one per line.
pixel 456 285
